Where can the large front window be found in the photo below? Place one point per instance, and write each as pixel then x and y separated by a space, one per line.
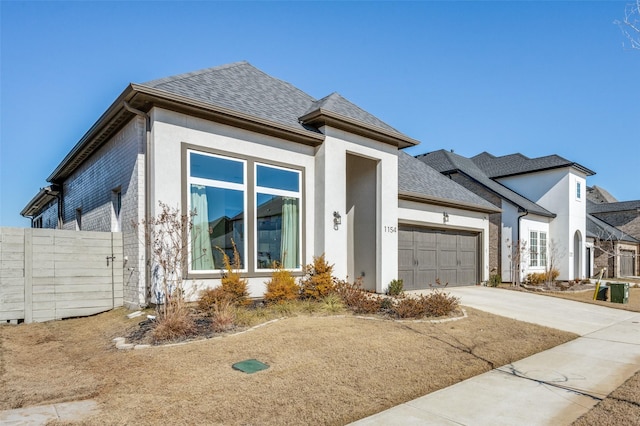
pixel 225 203
pixel 218 201
pixel 277 217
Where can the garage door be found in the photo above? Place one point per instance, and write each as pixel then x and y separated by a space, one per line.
pixel 425 255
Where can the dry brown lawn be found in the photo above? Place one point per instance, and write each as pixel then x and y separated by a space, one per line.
pixel 323 369
pixel 587 296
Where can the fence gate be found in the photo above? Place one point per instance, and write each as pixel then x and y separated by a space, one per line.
pixel 48 274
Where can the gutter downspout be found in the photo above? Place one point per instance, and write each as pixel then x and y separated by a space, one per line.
pixel 147 195
pixel 520 216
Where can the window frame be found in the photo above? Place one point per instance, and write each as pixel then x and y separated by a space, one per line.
pixel 538 252
pixel 250 270
pixel 578 190
pixel 277 192
pixel 219 184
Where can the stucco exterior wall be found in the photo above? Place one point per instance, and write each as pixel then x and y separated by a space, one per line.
pixel 555 190
pixel 173 133
pixel 428 215
pixel 116 166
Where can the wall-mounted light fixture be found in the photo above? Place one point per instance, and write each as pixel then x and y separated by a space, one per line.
pixel 445 217
pixel 337 220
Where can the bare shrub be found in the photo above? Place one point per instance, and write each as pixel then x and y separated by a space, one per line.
pixel 538 278
pixel 440 304
pixel 176 325
pixel 223 315
pixel 318 281
pixel 209 297
pixel 167 236
pixel 357 299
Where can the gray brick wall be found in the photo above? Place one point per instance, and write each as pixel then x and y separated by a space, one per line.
pixel 49 215
pixel 117 165
pixel 495 219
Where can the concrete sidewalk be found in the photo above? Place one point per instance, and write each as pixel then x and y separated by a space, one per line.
pixel 553 387
pixel 42 414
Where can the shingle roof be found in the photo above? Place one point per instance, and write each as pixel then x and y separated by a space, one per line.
pixel 244 88
pixel 612 207
pixel 416 177
pixel 240 87
pixel 515 164
pixel 339 105
pixel 597 228
pixel 600 195
pixel 449 162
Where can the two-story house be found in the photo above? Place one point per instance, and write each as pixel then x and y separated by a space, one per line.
pixel 542 223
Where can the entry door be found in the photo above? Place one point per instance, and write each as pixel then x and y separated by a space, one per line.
pixel 425 255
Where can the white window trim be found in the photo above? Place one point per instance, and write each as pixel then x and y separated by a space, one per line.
pixel 223 185
pixel 282 193
pixel 541 263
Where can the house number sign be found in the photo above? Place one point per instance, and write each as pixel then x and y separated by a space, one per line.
pixel 391 229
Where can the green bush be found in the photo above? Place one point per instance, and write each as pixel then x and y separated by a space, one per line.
pixel 395 288
pixel 495 280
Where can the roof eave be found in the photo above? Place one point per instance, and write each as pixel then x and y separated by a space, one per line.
pixel 41 199
pixel 413 196
pixel 322 117
pixel 145 98
pixel 577 166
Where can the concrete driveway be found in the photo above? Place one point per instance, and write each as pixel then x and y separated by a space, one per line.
pixel 553 387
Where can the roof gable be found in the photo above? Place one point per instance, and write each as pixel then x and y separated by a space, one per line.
pixel 418 179
pixel 449 162
pixel 515 164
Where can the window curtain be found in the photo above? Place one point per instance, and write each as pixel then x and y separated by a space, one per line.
pixel 289 237
pixel 201 253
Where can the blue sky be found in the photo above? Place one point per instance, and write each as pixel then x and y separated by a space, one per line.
pixel 538 78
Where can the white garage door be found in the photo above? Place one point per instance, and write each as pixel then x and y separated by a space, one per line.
pixel 425 255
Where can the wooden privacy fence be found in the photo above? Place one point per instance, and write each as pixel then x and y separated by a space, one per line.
pixel 48 274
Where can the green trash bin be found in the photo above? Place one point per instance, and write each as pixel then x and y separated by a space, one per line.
pixel 619 292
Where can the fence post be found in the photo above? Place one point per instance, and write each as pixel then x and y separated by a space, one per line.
pixel 28 276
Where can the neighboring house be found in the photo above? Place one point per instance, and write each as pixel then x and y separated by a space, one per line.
pixel 542 202
pixel 285 176
pixel 625 217
pixel 611 249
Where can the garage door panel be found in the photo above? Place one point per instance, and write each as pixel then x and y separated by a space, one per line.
pixel 447 259
pixel 447 241
pixel 448 276
pixel 425 240
pixel 425 278
pixel 467 260
pixel 466 277
pixel 427 258
pixel 405 239
pixel 405 258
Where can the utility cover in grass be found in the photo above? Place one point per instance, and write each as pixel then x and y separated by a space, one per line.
pixel 250 366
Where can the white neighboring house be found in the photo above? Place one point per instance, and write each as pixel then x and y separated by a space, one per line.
pixel 285 176
pixel 543 202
